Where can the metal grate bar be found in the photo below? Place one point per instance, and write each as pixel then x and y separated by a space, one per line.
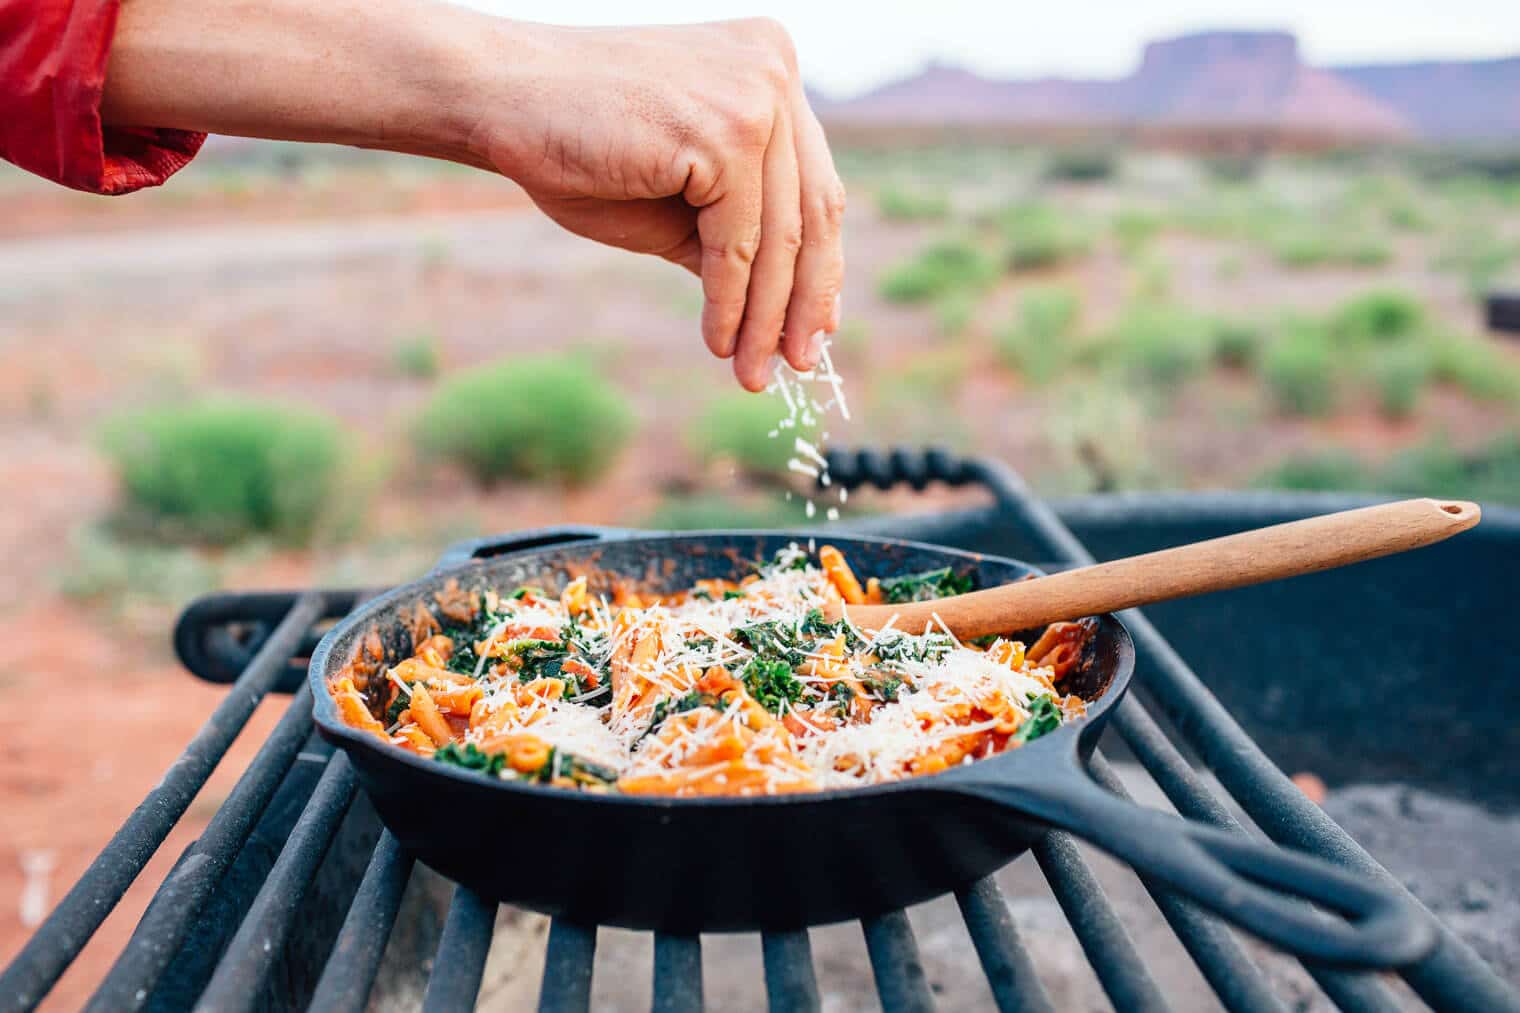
pixel 239 978
pixel 790 983
pixel 58 941
pixel 175 906
pixel 1234 977
pixel 355 959
pixel 1352 991
pixel 462 951
pixel 1453 976
pixel 1102 935
pixel 1016 987
pixel 568 965
pixel 677 973
pixel 895 963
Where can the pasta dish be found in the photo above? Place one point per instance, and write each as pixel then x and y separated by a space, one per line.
pixel 726 688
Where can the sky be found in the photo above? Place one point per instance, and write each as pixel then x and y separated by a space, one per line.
pixel 843 53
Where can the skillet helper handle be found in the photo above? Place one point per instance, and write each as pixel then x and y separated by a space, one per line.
pixel 1255 886
pixel 1219 564
pixel 518 541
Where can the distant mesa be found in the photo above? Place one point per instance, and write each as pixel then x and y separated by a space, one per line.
pixel 1253 81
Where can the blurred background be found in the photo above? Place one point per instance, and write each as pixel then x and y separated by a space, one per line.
pixel 1112 250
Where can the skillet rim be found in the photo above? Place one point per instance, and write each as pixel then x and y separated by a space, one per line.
pixel 1065 740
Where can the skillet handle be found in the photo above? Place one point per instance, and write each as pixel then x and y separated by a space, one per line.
pixel 518 541
pixel 1256 886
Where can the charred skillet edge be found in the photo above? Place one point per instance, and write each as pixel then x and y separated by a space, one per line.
pixel 1061 747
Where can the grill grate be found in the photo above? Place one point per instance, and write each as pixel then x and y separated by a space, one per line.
pixel 256 642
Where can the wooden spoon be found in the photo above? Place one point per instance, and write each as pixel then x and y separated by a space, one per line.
pixel 1251 557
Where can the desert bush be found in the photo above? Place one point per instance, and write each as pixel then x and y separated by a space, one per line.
pixel 1307 244
pixel 944 266
pixel 1320 471
pixel 1399 373
pixel 1232 168
pixel 1476 366
pixel 708 512
pixel 738 426
pixel 953 312
pixel 417 356
pixel 1037 341
pixel 1160 344
pixel 1479 256
pixel 903 204
pixel 1379 316
pixel 1038 236
pixel 102 566
pixel 549 417
pixel 1081 165
pixel 1134 229
pixel 221 470
pixel 1299 370
pixel 1489 473
pixel 1236 342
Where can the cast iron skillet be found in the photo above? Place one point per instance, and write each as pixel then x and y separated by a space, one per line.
pixel 732 864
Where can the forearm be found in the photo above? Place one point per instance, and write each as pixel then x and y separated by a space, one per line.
pixel 393 74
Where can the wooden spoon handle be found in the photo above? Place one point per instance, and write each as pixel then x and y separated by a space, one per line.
pixel 1250 557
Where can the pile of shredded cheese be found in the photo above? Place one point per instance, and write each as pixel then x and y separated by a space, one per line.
pixel 726 688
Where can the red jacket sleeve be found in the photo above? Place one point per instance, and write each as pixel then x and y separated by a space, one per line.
pixel 52 70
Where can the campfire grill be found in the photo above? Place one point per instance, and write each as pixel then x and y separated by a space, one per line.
pixel 263 912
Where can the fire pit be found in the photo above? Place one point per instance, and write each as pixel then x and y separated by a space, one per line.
pixel 291 894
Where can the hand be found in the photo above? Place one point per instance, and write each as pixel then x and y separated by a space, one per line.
pixel 692 143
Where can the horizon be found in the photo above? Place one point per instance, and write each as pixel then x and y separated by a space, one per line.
pixel 843 55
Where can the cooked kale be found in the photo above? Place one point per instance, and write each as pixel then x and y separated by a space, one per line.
pixel 471 758
pixel 885 690
pixel 1044 717
pixel 771 683
pixel 926 586
pixel 666 707
pixel 401 703
pixel 842 695
pixel 892 645
pixel 701 644
pixel 731 595
pixel 773 640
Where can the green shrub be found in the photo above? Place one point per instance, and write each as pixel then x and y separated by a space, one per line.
pixel 1236 342
pixel 944 266
pixel 1480 256
pixel 1036 343
pixel 1378 316
pixel 1476 366
pixel 1038 236
pixel 548 417
pixel 1134 229
pixel 417 356
pixel 739 425
pixel 1399 373
pixel 1299 371
pixel 954 311
pixel 1490 473
pixel 1081 165
pixel 707 512
pixel 105 567
pixel 902 204
pixel 1232 168
pixel 1305 244
pixel 220 470
pixel 1160 344
pixel 1321 471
